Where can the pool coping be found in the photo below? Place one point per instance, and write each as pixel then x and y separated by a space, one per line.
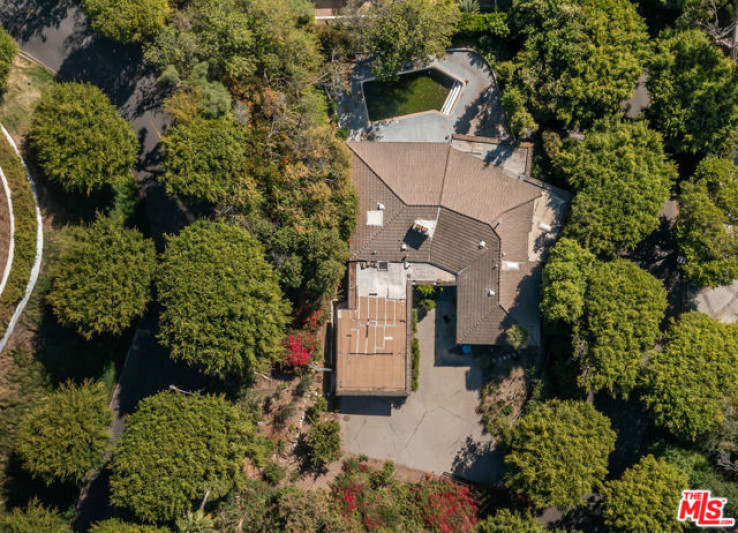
pixel 437 67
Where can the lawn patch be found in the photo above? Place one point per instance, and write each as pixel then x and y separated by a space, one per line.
pixel 414 92
pixel 27 80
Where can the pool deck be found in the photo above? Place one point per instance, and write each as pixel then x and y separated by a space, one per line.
pixel 478 111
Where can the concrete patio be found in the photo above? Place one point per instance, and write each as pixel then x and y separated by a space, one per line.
pixel 477 112
pixel 436 429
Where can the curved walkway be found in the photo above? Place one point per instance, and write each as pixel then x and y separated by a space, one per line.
pixel 11 238
pixel 36 269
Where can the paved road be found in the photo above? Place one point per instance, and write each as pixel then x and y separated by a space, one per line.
pixel 57 34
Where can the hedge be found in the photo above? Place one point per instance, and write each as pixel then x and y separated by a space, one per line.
pixel 24 210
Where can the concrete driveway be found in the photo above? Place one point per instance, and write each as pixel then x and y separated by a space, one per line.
pixel 478 111
pixel 436 429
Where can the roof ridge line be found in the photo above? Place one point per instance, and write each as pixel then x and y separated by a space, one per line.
pixel 445 173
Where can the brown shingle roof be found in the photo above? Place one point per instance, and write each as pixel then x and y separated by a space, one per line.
pixel 470 200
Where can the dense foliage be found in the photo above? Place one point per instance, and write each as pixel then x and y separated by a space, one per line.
pixel 223 311
pixel 8 49
pixel 70 116
pixel 692 376
pixel 204 159
pixel 397 34
pixel 624 308
pixel 33 519
pixel 622 180
pixel 127 20
pixel 506 521
pixel 578 61
pixel 694 93
pixel 102 280
pixel 708 212
pixel 175 448
pixel 645 498
pixel 558 453
pixel 114 525
pixel 565 281
pixel 66 435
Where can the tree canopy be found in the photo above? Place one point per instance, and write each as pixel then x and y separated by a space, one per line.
pixel 690 379
pixel 223 311
pixel 645 498
pixel 565 281
pixel 624 308
pixel 203 159
pixel 65 436
pixel 80 140
pixel 175 448
pixel 693 88
pixel 705 226
pixel 127 20
pixel 397 33
pixel 558 452
pixel 622 179
pixel 506 521
pixel 33 519
pixel 102 280
pixel 579 60
pixel 8 49
pixel 324 442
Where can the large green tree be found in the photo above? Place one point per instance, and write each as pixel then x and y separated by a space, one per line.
pixel 506 521
pixel 399 32
pixel 558 452
pixel 624 308
pixel 694 93
pixel 223 311
pixel 622 179
pixel 65 436
pixel 80 140
pixel 8 49
pixel 203 159
pixel 102 280
pixel 580 58
pixel 565 281
pixel 691 378
pixel 175 448
pixel 705 226
pixel 645 498
pixel 35 518
pixel 127 20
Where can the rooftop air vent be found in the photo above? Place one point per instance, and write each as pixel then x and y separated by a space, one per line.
pixel 482 245
pixel 403 247
pixel 380 206
pixel 490 292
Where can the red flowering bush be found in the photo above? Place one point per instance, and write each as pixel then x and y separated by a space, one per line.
pixel 444 506
pixel 298 355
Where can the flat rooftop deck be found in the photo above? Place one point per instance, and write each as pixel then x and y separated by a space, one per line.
pixel 372 347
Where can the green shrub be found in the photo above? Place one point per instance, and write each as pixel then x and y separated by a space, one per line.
pixel 102 281
pixel 274 473
pixel 517 337
pixel 416 364
pixel 175 448
pixel 115 525
pixel 313 413
pixel 324 442
pixel 65 436
pixel 494 24
pixel 427 304
pixel 8 49
pixel 80 140
pixel 33 519
pixel 127 20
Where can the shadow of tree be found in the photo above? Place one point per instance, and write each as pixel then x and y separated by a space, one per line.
pixel 25 19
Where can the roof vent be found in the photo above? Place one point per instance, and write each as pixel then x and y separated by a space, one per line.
pixel 380 207
pixel 482 245
pixel 490 292
pixel 406 265
pixel 403 247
